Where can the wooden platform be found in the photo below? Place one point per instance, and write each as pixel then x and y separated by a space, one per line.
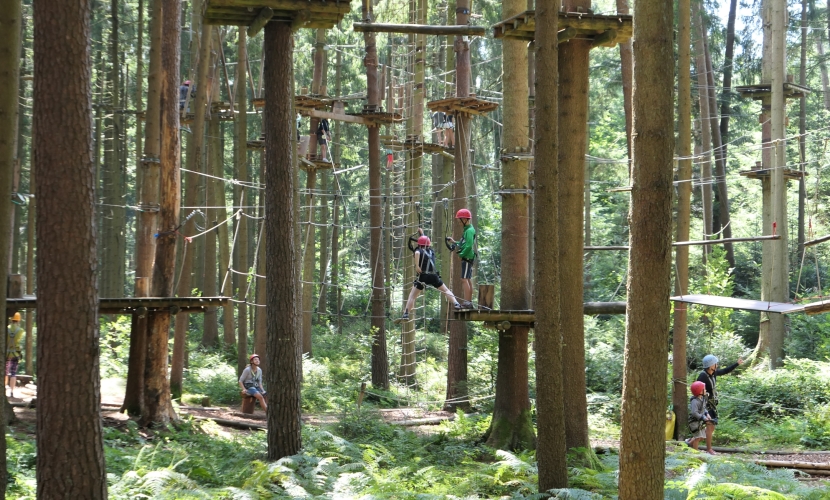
pixel 470 105
pixel 129 305
pixel 752 305
pixel 377 118
pixel 789 173
pixel 762 90
pixel 426 147
pixel 309 102
pixel 528 316
pixel 316 164
pixel 571 25
pixel 301 13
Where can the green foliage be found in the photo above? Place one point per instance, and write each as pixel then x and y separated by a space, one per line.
pixel 210 374
pixel 115 345
pixel 604 342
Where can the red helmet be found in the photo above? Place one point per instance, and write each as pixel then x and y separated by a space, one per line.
pixel 698 388
pixel 187 82
pixel 423 241
pixel 463 214
pixel 251 358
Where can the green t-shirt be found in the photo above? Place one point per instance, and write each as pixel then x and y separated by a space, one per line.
pixel 466 245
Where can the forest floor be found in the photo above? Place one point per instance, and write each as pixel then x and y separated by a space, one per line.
pixel 422 422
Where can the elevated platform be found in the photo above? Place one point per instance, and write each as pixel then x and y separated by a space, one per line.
pixel 412 145
pixel 762 90
pixel 377 118
pixel 789 173
pixel 528 316
pixel 606 30
pixel 309 102
pixel 315 163
pixel 130 305
pixel 301 13
pixel 819 307
pixel 470 105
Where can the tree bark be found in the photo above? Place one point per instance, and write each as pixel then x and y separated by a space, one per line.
pixel 380 361
pixel 550 448
pixel 511 426
pixel 200 56
pixel 705 131
pixel 726 96
pixel 720 158
pixel 148 217
pixel 642 451
pixel 10 41
pixel 283 353
pixel 70 451
pixel 246 199
pixel 210 334
pixel 684 195
pixel 626 71
pixel 825 79
pixel 802 128
pixel 573 130
pixel 324 243
pixel 158 407
pixel 457 391
pixel 308 259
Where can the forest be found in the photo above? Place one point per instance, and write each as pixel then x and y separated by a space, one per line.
pixel 199 184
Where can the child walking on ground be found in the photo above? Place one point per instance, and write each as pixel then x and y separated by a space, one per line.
pixel 425 274
pixel 251 381
pixel 698 417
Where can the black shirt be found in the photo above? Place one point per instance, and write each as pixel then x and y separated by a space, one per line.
pixel 711 380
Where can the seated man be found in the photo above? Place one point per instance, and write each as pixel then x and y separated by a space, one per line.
pixel 251 381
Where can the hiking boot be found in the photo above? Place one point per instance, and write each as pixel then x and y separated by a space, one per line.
pixel 457 306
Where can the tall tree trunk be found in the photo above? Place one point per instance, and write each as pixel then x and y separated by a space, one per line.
pixel 457 393
pixel 728 70
pixel 511 426
pixel 627 72
pixel 10 41
pixel 200 57
pixel 283 353
pixel 308 259
pixel 210 334
pixel 684 197
pixel 139 90
pixel 720 159
pixel 113 224
pixel 380 363
pixel 148 197
pixel 335 261
pixel 550 448
pixel 241 145
pixel 825 79
pixel 573 130
pixel 69 427
pixel 802 127
pixel 158 408
pixel 642 450
pixel 324 243
pixel 705 131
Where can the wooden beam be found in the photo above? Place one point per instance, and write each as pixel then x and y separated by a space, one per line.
pixel 421 29
pixel 816 241
pixel 265 15
pixel 595 308
pixel 566 34
pixel 595 248
pixel 316 113
pixel 725 240
pixel 604 38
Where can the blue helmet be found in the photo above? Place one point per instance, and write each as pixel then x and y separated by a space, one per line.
pixel 709 360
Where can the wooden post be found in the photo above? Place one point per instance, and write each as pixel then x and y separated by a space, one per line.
pixel 380 365
pixel 457 352
pixel 245 199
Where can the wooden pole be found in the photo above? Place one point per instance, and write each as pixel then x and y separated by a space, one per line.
pixel 241 248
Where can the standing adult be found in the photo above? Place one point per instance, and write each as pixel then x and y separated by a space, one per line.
pixel 323 138
pixel 709 377
pixel 14 351
pixel 251 381
pixel 466 251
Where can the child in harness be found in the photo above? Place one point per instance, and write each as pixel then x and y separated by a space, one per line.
pixel 425 273
pixel 699 417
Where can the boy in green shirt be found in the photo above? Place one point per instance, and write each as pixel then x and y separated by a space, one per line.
pixel 466 250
